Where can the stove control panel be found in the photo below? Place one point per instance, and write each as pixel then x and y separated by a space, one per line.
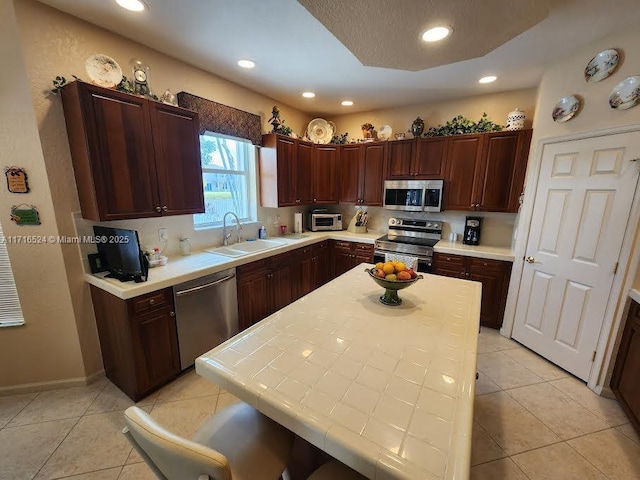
pixel 414 223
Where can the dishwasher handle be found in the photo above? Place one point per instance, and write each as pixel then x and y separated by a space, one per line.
pixel 206 285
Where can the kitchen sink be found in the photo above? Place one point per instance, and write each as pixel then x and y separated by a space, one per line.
pixel 245 248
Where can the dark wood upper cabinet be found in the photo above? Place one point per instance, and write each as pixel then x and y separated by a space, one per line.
pixel 462 166
pixel 349 172
pixel 625 381
pixel 372 173
pixel 417 159
pixel 325 174
pixel 304 172
pixel 132 157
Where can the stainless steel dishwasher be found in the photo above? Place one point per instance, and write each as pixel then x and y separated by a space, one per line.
pixel 206 313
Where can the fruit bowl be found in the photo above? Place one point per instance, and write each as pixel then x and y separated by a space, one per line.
pixel 391 287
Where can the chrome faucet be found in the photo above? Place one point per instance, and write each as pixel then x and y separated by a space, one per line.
pixel 225 235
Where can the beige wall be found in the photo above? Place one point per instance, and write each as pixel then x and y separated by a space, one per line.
pixel 496 105
pixel 47 348
pixel 60 340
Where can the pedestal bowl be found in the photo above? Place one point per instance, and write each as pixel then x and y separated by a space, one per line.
pixel 391 287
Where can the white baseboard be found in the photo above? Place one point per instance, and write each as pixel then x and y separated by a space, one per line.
pixel 51 385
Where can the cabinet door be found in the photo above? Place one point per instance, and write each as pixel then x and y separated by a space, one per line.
pixel 286 149
pixel 325 174
pixel 121 152
pixel 363 253
pixel 155 348
pixel 281 286
pixel 372 174
pixel 461 168
pixel 253 299
pixel 400 155
pixel 349 171
pixel 494 276
pixel 321 264
pixel 304 173
pixel 626 381
pixel 341 257
pixel 448 265
pixel 305 282
pixel 176 140
pixel 430 158
pixel 501 160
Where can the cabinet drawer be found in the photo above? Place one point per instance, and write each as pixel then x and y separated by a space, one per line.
pixel 340 245
pixel 152 300
pixel 253 269
pixel 485 266
pixel 446 261
pixel 363 248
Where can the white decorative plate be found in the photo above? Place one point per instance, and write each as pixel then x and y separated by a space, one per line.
pixel 385 132
pixel 103 70
pixel 566 108
pixel 319 131
pixel 626 94
pixel 601 66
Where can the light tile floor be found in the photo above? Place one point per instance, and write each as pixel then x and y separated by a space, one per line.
pixel 532 421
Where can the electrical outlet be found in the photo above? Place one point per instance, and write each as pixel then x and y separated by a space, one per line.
pixel 163 236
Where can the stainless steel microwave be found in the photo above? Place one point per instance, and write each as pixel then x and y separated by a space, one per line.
pixel 317 222
pixel 413 195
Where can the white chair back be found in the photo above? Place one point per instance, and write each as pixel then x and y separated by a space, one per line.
pixel 172 457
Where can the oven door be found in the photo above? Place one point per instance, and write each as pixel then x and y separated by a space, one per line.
pixel 424 263
pixel 433 196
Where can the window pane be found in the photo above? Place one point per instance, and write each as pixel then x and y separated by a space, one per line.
pixel 223 193
pixel 222 153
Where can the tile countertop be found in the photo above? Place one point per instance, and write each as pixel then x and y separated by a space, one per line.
pixel 198 264
pixel 480 251
pixel 387 390
pixel 634 293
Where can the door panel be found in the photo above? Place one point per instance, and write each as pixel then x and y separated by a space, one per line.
pixel 430 158
pixel 373 174
pixel 400 158
pixel 286 156
pixel 304 173
pixel 349 173
pixel 580 214
pixel 463 162
pixel 325 175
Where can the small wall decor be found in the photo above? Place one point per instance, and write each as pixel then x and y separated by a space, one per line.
pixel 24 214
pixel 566 108
pixel 369 131
pixel 626 94
pixel 103 70
pixel 17 181
pixel 601 66
pixel 141 79
pixel 417 127
pixel 515 120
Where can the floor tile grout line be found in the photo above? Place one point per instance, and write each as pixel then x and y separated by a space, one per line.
pixel 20 411
pixel 58 446
pixel 587 460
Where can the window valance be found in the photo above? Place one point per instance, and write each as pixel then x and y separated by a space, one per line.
pixel 218 118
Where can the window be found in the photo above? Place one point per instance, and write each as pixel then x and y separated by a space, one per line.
pixel 10 311
pixel 228 178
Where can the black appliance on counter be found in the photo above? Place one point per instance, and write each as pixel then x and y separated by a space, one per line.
pixel 410 239
pixel 472 228
pixel 121 252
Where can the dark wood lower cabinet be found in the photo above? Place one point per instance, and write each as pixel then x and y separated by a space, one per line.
pixel 346 255
pixel 138 339
pixel 493 274
pixel 625 382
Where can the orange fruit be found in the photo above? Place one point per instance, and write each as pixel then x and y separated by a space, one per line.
pixel 404 275
pixel 388 268
pixel 400 267
pixel 379 265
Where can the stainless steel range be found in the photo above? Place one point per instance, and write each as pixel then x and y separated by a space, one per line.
pixel 409 238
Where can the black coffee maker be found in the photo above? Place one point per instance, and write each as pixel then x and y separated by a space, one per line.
pixel 472 227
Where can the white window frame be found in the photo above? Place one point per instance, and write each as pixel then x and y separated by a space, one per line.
pixel 10 309
pixel 250 181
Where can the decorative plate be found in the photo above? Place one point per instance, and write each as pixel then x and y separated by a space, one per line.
pixel 601 66
pixel 319 131
pixel 385 132
pixel 566 108
pixel 626 94
pixel 103 70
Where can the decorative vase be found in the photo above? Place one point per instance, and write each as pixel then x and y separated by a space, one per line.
pixel 515 120
pixel 417 127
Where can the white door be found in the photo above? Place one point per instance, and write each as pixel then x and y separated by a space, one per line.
pixel 580 214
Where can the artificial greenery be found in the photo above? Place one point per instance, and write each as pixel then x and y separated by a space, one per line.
pixel 460 125
pixel 60 82
pixel 283 129
pixel 339 139
pixel 125 85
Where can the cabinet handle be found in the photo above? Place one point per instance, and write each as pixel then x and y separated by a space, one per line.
pixel 152 302
pixel 467 274
pixel 158 209
pixel 314 200
pixel 172 314
pixel 165 208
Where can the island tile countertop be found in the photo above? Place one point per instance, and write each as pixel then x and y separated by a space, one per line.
pixel 387 390
pixel 634 293
pixel 198 264
pixel 480 251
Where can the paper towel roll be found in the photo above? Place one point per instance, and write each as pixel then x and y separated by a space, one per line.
pixel 297 222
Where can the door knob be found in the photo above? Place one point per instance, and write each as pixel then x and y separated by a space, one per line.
pixel 530 259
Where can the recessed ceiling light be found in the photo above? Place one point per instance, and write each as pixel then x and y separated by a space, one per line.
pixel 488 79
pixel 347 103
pixel 133 5
pixel 308 94
pixel 437 33
pixel 246 63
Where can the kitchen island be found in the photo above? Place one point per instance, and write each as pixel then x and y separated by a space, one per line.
pixel 386 390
